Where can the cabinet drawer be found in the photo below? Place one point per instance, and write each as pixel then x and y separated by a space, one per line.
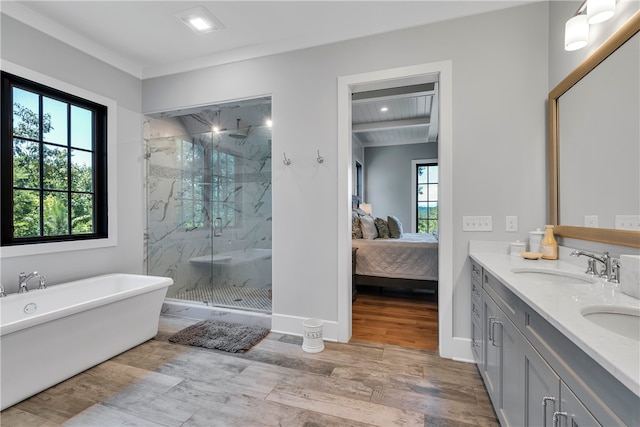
pixel 476 292
pixel 476 311
pixel 476 342
pixel 505 299
pixel 585 377
pixel 476 272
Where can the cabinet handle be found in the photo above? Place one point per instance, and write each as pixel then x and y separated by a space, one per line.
pixel 489 332
pixel 493 335
pixel 556 418
pixel 544 408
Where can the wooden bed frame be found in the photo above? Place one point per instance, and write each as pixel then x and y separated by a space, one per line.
pixel 388 282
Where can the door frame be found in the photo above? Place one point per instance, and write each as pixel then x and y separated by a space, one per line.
pixel 445 190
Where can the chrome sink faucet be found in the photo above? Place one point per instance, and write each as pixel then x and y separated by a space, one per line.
pixel 611 266
pixel 2 293
pixel 23 279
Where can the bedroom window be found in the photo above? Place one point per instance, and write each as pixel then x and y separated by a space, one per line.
pixel 54 165
pixel 427 197
pixel 359 180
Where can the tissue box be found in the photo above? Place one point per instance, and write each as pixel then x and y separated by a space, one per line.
pixel 630 275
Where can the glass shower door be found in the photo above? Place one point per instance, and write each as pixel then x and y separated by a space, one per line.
pixel 209 206
pixel 179 243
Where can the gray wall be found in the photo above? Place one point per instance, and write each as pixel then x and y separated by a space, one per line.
pixel 29 48
pixel 561 62
pixel 504 64
pixel 500 85
pixel 389 176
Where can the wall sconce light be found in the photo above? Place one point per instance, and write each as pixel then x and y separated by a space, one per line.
pixel 600 10
pixel 576 30
pixel 576 33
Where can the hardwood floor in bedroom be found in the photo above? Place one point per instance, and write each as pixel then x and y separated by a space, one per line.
pixel 401 317
pixel 358 384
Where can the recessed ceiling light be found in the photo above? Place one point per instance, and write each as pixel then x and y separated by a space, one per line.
pixel 200 20
pixel 384 109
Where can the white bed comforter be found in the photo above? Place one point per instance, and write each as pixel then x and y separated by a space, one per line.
pixel 413 256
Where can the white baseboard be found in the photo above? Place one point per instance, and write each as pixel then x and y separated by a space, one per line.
pixel 462 350
pixel 292 325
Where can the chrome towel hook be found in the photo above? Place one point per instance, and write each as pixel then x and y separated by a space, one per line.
pixel 286 161
pixel 320 159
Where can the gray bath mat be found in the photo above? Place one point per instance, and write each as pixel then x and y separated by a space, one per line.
pixel 229 337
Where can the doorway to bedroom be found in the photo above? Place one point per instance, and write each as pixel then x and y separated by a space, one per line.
pixel 394 147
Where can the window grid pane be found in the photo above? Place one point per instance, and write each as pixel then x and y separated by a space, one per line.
pixel 52 188
pixel 427 198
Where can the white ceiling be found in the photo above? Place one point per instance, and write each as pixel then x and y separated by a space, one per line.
pixel 410 115
pixel 146 39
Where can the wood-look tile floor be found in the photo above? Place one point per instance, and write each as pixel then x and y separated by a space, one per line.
pixel 159 383
pixel 396 316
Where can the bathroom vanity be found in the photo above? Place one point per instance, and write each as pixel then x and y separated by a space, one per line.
pixel 542 349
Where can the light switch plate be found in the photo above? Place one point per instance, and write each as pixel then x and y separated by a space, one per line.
pixel 591 221
pixel 477 223
pixel 628 222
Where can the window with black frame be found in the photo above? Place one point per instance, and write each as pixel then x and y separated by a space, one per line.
pixel 54 165
pixel 427 197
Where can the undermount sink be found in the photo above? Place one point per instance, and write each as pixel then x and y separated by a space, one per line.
pixel 552 276
pixel 624 321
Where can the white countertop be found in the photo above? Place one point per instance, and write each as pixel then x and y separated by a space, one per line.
pixel 561 305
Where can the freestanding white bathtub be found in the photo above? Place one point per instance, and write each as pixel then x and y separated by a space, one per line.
pixel 49 335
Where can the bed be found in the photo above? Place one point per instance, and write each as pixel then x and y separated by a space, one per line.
pixel 409 261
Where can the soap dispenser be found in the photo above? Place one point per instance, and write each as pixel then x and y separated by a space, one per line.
pixel 549 246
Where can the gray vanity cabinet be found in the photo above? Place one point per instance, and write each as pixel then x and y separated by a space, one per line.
pixel 476 314
pixel 548 400
pixel 526 362
pixel 503 371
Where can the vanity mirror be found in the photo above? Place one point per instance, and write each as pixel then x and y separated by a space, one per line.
pixel 594 144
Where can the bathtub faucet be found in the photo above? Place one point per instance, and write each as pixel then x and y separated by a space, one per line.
pixel 23 279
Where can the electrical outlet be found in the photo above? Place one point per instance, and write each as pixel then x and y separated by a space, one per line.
pixel 511 224
pixel 477 223
pixel 591 221
pixel 628 222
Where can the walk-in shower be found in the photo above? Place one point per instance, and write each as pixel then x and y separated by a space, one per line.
pixel 208 189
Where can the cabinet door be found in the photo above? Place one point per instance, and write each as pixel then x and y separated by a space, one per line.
pixel 572 411
pixel 476 331
pixel 504 372
pixel 511 343
pixel 542 390
pixel 476 343
pixel 491 353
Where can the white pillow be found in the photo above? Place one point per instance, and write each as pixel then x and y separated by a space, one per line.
pixel 395 227
pixel 369 229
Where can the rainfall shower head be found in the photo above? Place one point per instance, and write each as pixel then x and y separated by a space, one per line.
pixel 238 134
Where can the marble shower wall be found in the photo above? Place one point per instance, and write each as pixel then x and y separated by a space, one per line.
pixel 177 179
